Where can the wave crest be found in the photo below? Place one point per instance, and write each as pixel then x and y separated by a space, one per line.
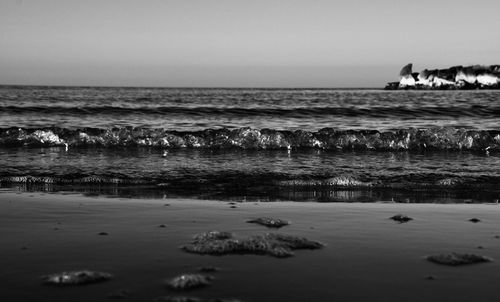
pixel 248 138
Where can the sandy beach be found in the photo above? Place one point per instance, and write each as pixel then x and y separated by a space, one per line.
pixel 367 257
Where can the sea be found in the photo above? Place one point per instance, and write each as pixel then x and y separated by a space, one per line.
pixel 314 145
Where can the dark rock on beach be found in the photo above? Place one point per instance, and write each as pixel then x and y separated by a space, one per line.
pixel 270 222
pixel 223 243
pixel 293 242
pixel 401 218
pixel 212 235
pixel 76 278
pixel 119 294
pixel 455 259
pixel 208 269
pixel 189 281
pixel 191 299
pixel 177 299
pixel 474 220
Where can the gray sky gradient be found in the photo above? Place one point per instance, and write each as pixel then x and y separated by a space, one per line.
pixel 232 43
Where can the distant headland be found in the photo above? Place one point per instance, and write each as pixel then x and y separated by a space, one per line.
pixel 456 77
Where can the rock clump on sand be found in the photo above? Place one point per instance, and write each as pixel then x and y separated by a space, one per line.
pixel 270 222
pixel 455 259
pixel 456 77
pixel 77 277
pixel 191 299
pixel 223 243
pixel 189 281
pixel 401 218
pixel 177 299
pixel 119 294
pixel 208 269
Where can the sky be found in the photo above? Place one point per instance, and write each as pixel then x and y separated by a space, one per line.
pixel 233 43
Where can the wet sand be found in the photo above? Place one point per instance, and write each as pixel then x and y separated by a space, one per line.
pixel 368 257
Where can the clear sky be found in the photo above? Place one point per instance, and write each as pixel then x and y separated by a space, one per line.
pixel 232 43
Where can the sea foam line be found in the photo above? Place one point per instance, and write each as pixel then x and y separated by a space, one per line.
pixel 248 138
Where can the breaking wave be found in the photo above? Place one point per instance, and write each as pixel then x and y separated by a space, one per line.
pixel 240 180
pixel 248 138
pixel 407 188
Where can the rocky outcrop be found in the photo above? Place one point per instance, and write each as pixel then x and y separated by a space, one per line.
pixel 456 77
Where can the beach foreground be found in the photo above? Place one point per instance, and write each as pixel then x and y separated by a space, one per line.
pixel 367 257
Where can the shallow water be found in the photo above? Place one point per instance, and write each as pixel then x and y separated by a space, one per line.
pixel 254 174
pixel 266 144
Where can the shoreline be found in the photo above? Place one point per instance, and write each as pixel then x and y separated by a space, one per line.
pixel 367 255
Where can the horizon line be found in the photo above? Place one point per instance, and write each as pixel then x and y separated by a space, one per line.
pixel 190 87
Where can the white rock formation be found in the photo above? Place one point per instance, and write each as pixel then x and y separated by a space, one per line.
pixel 465 77
pixel 406 78
pixel 468 77
pixel 438 82
pixel 407 81
pixel 488 79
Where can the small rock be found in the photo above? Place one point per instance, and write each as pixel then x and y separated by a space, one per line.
pixel 455 259
pixel 212 235
pixel 177 299
pixel 497 236
pixel 24 248
pixel 474 220
pixel 189 281
pixel 208 269
pixel 162 226
pixel 103 234
pixel 231 203
pixel 270 222
pixel 77 277
pixel 480 247
pixel 430 277
pixel 401 218
pixel 166 205
pixel 56 229
pixel 191 299
pixel 120 294
pixel 233 207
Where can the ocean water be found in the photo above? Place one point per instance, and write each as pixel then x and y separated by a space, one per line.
pixel 253 144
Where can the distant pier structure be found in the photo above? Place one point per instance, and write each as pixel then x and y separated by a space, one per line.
pixel 456 77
